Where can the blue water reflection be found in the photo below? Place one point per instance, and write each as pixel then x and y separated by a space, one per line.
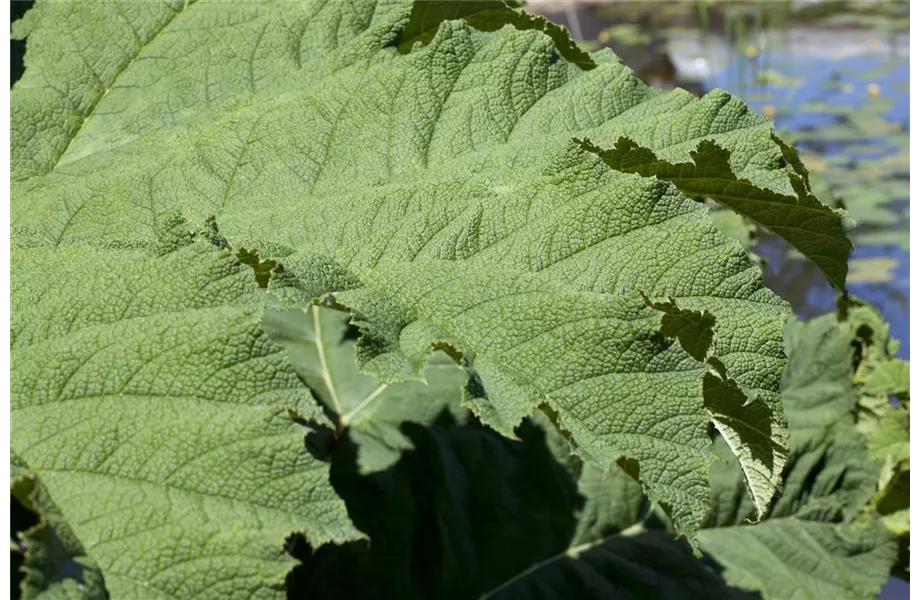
pixel 823 82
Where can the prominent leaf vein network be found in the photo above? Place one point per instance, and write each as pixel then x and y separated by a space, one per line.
pixel 432 190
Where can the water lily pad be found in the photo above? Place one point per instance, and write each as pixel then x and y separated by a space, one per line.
pixel 872 270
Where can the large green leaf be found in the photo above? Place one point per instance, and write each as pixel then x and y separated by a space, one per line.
pixel 163 420
pixel 438 195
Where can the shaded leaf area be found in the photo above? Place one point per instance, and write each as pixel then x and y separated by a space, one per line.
pixel 17 8
pixel 650 564
pixel 469 514
pixel 17 47
pixel 49 560
pixel 261 268
pixel 16 52
pixel 692 328
pixel 824 536
pixel 21 520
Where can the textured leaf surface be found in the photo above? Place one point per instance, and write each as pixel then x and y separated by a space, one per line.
pixel 791 558
pixel 745 420
pixel 794 214
pixel 891 378
pixel 160 417
pixel 55 563
pixel 437 194
pixel 818 389
pixel 99 75
pixel 891 440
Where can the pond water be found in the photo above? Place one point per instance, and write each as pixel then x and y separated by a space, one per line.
pixel 835 78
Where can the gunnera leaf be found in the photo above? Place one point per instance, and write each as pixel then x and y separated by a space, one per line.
pixel 436 194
